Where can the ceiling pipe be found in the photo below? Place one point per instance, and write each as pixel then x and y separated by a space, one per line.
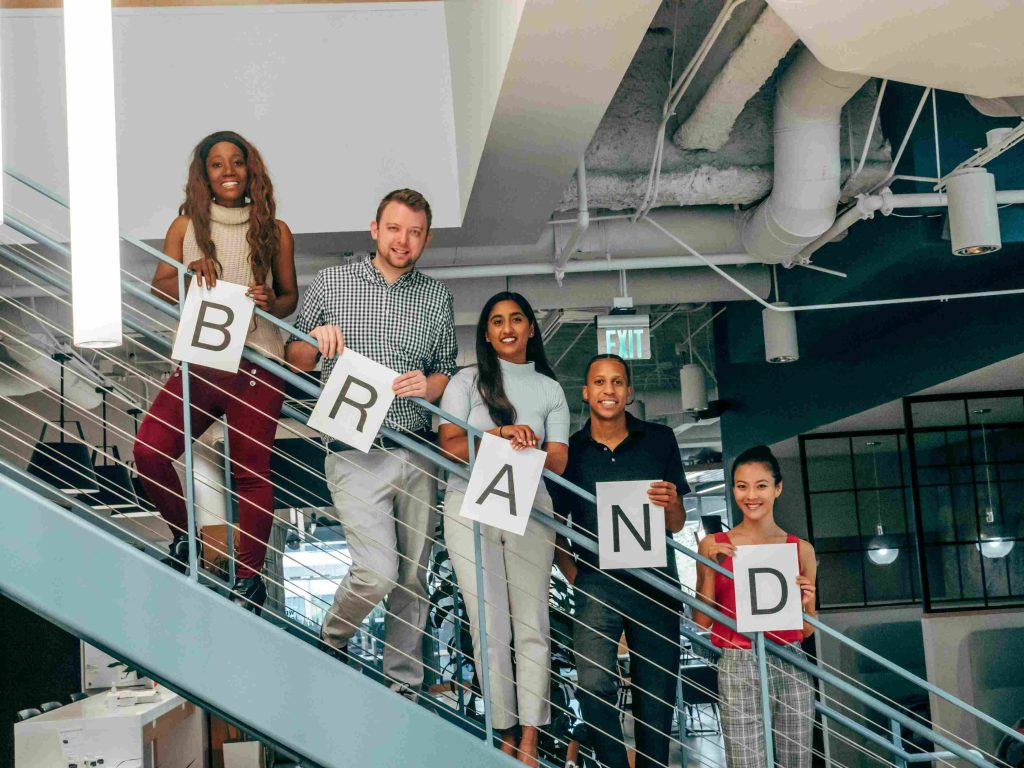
pixel 805 192
pixel 576 267
pixel 886 202
pixel 582 222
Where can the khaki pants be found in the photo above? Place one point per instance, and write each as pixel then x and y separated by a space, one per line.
pixel 517 575
pixel 385 500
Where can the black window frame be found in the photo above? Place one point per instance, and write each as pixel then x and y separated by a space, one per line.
pixel 910 516
pixel 963 603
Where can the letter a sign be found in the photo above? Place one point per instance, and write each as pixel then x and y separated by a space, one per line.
pixel 503 485
pixel 767 597
pixel 213 326
pixel 630 530
pixel 355 400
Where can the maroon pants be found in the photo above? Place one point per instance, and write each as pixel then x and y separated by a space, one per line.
pixel 251 399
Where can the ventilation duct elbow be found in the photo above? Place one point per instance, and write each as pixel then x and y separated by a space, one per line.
pixel 805 191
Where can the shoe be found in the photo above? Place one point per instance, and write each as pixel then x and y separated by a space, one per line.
pixel 177 553
pixel 341 654
pixel 250 593
pixel 406 691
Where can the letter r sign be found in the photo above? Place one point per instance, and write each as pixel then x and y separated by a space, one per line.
pixel 354 401
pixel 213 326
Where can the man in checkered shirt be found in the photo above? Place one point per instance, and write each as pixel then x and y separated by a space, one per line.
pixel 384 309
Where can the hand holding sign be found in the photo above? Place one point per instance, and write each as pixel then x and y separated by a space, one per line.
pixel 213 326
pixel 767 595
pixel 503 485
pixel 354 401
pixel 630 530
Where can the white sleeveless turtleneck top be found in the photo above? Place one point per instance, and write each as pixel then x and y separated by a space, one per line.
pixel 228 228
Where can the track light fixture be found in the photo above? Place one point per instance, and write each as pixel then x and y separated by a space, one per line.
pixel 780 341
pixel 973 213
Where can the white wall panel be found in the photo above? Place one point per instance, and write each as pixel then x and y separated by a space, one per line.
pixel 346 102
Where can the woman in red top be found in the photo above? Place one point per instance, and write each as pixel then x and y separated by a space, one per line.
pixel 756 484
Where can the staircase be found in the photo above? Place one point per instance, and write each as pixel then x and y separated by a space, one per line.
pixel 65 561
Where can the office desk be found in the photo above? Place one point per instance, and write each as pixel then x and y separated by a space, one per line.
pixel 165 733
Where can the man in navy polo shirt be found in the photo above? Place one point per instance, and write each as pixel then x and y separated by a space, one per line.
pixel 611 446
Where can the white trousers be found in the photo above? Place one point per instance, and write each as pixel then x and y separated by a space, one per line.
pixel 385 500
pixel 517 575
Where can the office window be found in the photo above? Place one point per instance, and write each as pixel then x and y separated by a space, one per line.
pixel 967 459
pixel 860 518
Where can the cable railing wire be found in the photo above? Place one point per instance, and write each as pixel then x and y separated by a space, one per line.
pixel 958 704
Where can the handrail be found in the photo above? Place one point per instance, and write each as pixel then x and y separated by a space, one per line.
pixel 307 385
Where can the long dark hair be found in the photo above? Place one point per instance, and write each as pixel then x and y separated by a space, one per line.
pixel 263 234
pixel 488 380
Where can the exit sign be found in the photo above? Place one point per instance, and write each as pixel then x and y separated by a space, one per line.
pixel 628 336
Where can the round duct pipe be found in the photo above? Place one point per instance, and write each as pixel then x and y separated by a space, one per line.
pixel 973 213
pixel 806 175
pixel 780 341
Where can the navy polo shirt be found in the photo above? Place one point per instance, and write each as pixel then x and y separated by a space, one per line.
pixel 649 452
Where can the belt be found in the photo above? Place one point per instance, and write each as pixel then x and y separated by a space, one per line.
pixel 382 441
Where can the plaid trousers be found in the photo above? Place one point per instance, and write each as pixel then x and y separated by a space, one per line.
pixel 792 709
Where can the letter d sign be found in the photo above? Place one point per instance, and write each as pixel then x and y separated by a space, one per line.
pixel 213 326
pixel 767 597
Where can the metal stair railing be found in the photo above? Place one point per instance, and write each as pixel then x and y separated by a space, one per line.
pixel 898 720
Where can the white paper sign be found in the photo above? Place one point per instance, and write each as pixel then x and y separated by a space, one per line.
pixel 503 485
pixel 630 529
pixel 354 401
pixel 767 596
pixel 213 326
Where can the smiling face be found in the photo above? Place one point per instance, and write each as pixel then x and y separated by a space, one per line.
pixel 508 330
pixel 401 236
pixel 226 174
pixel 607 390
pixel 755 490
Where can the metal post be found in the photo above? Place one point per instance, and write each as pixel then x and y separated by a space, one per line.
pixel 229 505
pixel 897 740
pixel 186 426
pixel 766 700
pixel 825 735
pixel 481 606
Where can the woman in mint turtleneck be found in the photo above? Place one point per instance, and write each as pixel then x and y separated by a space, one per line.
pixel 512 393
pixel 226 230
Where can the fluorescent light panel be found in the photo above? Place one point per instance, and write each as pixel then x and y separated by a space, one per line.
pixel 92 173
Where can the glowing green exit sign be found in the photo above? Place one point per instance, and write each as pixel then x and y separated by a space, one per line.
pixel 628 336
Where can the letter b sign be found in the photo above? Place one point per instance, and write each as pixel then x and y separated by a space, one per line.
pixel 213 326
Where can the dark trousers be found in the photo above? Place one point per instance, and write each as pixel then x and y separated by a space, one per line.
pixel 652 633
pixel 251 399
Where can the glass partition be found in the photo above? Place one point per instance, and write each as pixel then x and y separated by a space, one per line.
pixel 967 459
pixel 860 518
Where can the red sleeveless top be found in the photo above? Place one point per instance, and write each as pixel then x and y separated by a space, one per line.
pixel 725 594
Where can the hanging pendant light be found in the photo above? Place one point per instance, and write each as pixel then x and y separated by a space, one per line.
pixel 115 484
pixel 878 552
pixel 998 546
pixel 693 386
pixel 65 465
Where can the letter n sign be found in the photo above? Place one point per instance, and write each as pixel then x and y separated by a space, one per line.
pixel 213 326
pixel 767 597
pixel 631 530
pixel 354 401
